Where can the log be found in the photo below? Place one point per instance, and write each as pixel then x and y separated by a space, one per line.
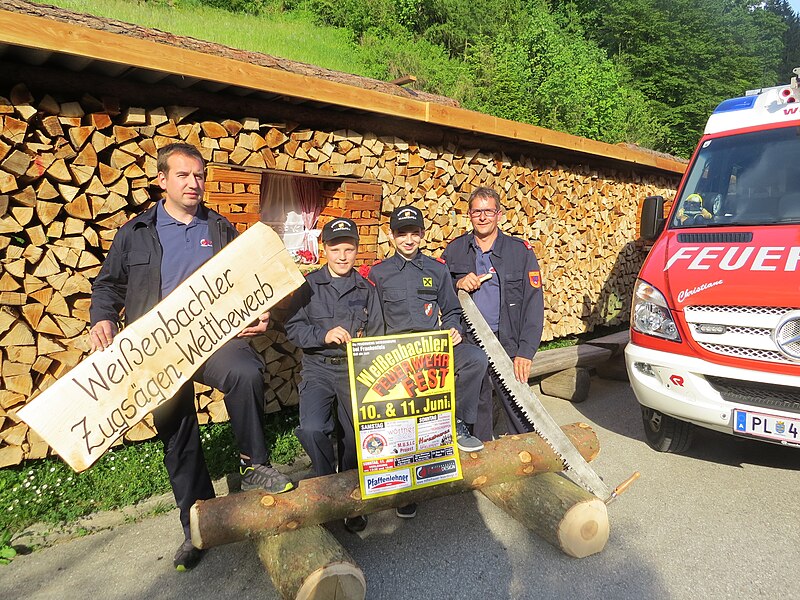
pixel 570 384
pixel 322 499
pixel 557 359
pixel 309 563
pixel 559 511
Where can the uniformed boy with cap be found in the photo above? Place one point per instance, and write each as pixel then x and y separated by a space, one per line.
pixel 335 305
pixel 414 289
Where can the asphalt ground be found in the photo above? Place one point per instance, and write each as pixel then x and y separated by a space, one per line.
pixel 718 522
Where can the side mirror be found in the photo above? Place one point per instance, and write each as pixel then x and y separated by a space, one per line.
pixel 652 219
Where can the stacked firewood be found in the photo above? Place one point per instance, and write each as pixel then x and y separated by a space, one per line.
pixel 72 171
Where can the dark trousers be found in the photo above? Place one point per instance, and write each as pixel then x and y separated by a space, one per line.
pixel 236 370
pixel 321 386
pixel 470 368
pixel 484 426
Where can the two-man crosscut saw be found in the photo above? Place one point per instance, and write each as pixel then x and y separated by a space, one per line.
pixel 576 466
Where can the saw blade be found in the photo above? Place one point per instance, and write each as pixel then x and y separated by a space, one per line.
pixel 529 405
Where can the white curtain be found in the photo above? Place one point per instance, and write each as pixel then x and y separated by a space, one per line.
pixel 310 207
pixel 292 205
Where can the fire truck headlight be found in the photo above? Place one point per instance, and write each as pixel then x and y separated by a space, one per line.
pixel 650 313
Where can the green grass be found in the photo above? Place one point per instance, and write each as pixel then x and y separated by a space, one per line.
pixel 292 35
pixel 50 491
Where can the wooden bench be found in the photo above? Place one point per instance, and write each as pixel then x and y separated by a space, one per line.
pixel 564 372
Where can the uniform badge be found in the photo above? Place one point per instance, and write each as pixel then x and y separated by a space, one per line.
pixel 205 243
pixel 427 281
pixel 535 278
pixel 428 308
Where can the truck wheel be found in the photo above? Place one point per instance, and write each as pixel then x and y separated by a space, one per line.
pixel 665 433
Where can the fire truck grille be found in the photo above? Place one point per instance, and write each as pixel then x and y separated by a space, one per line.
pixel 744 332
pixel 765 395
pixel 751 353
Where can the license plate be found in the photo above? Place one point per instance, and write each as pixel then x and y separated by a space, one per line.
pixel 766 426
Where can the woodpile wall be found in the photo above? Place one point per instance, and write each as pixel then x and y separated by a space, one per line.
pixel 73 170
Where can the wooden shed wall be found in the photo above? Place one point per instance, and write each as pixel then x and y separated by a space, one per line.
pixel 73 169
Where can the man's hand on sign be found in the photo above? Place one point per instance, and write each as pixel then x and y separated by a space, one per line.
pixel 455 336
pixel 102 334
pixel 258 327
pixel 522 368
pixel 337 335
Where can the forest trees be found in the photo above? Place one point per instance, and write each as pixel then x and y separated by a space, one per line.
pixel 647 72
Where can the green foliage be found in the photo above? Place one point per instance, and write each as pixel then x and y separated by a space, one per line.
pixel 7 551
pixel 293 35
pixel 647 72
pixel 688 55
pixel 49 491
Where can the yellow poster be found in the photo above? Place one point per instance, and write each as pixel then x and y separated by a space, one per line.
pixel 402 389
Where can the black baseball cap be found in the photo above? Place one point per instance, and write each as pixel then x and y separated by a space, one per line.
pixel 339 228
pixel 406 216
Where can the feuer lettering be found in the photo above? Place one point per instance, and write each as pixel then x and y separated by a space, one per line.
pixel 734 258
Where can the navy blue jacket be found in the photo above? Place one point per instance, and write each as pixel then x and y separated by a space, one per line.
pixel 131 274
pixel 413 292
pixel 521 301
pixel 317 307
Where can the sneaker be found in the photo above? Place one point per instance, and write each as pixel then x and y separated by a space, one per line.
pixel 355 524
pixel 187 557
pixel 466 441
pixel 409 511
pixel 264 477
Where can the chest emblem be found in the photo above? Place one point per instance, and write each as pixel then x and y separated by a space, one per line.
pixel 205 243
pixel 428 309
pixel 427 282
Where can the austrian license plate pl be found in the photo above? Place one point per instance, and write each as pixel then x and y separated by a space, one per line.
pixel 766 426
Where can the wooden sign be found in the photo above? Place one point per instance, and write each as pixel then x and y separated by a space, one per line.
pixel 86 410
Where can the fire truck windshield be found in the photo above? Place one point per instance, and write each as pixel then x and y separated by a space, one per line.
pixel 743 179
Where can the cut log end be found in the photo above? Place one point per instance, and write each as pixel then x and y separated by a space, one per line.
pixel 584 530
pixel 338 581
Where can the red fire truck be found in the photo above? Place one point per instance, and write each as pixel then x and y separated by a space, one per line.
pixel 715 322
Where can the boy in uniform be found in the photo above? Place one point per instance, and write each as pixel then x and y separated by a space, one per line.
pixel 335 305
pixel 414 288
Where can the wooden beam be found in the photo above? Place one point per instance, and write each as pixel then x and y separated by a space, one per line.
pixel 47 34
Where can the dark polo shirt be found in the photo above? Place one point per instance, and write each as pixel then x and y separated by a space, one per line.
pixel 185 247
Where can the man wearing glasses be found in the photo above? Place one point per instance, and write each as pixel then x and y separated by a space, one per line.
pixel 502 274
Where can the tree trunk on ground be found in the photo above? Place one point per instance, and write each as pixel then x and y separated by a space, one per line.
pixel 322 499
pixel 560 512
pixel 309 563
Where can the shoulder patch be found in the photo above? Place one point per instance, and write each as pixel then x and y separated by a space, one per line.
pixel 528 245
pixel 441 260
pixel 364 270
pixel 535 279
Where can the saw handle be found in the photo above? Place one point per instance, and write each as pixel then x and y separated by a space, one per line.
pixel 622 487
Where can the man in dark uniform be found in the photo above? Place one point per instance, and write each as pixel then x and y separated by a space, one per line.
pixel 510 300
pixel 151 255
pixel 413 289
pixel 335 305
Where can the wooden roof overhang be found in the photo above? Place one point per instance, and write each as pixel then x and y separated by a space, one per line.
pixel 74 57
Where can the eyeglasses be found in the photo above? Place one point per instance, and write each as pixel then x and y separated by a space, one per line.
pixel 486 212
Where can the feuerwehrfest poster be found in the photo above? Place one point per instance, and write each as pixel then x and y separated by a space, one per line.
pixel 402 389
